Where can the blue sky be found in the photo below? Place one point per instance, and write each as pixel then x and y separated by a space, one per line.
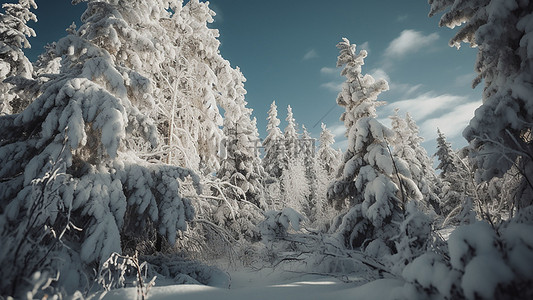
pixel 286 50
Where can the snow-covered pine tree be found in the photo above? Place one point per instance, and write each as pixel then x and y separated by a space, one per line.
pixel 415 230
pixel 481 262
pixel 47 62
pixel 500 144
pixel 291 137
pixel 135 39
pixel 274 144
pixel 46 67
pixel 298 180
pixel 326 163
pixel 295 187
pixel 307 144
pixel 99 197
pixel 308 156
pixel 500 134
pixel 368 176
pixel 191 82
pixel 407 146
pixel 451 196
pixel 242 166
pixel 446 156
pixel 458 189
pixel 327 157
pixel 241 173
pixel 274 159
pixel 14 32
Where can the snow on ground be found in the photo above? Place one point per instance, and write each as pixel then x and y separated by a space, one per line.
pixel 268 284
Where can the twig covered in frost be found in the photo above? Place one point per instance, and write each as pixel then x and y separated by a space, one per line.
pixel 114 271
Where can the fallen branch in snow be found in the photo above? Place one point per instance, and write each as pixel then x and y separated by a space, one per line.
pixel 344 278
pixel 312 251
pixel 372 263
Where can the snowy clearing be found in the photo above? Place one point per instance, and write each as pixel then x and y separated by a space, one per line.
pixel 268 284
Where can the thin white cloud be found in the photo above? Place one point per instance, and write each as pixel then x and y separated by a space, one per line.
pixel 426 105
pixel 465 79
pixel 364 46
pixel 402 18
pixel 404 89
pixel 310 54
pixel 333 86
pixel 334 83
pixel 452 123
pixel 329 71
pixel 409 41
pixel 338 131
pixel 379 73
pixel 449 113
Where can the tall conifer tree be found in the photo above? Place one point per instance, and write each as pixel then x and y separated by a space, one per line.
pixel 367 177
pixel 14 33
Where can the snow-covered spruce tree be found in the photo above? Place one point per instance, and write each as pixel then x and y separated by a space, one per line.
pixel 428 181
pixel 291 137
pixel 368 176
pixel 462 200
pixel 296 188
pixel 414 237
pixel 274 144
pixel 240 175
pixel 326 163
pixel 48 62
pixel 46 67
pixel 459 190
pixel 500 134
pixel 308 157
pixel 485 199
pixel 327 157
pixel 242 166
pixel 446 156
pixel 106 199
pixel 14 32
pixel 295 185
pixel 406 145
pixel 290 158
pixel 273 159
pixel 483 262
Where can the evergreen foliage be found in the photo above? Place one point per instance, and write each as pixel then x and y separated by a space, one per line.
pixel 14 33
pixel 500 132
pixel 407 146
pixel 291 138
pixel 274 144
pixel 368 176
pixel 99 195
